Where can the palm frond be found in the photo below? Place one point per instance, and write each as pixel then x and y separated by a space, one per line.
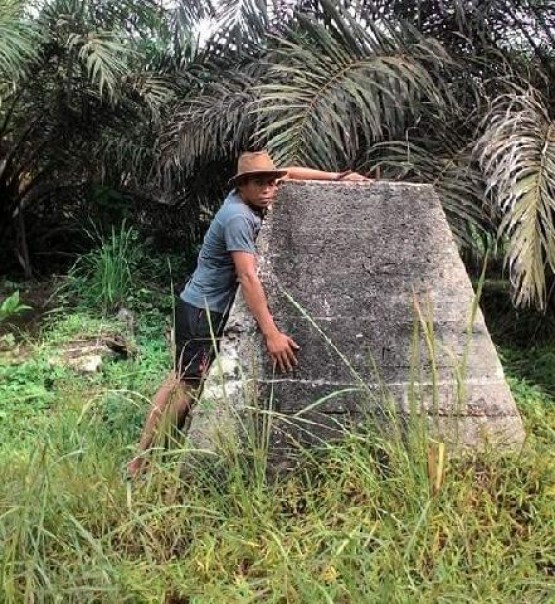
pixel 239 24
pixel 326 100
pixel 517 154
pixel 156 91
pixel 138 18
pixel 126 155
pixel 106 57
pixel 189 12
pixel 215 123
pixel 18 40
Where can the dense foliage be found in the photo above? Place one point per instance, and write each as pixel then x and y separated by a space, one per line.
pixel 108 108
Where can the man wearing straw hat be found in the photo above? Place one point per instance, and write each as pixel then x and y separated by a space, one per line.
pixel 227 258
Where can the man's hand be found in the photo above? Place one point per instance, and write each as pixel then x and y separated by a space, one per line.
pixel 280 346
pixel 281 349
pixel 355 176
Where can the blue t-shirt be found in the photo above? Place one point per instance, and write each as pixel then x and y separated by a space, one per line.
pixel 234 229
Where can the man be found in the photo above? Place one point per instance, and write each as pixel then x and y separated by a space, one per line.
pixel 227 258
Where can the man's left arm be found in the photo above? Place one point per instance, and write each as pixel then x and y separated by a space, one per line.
pixel 302 173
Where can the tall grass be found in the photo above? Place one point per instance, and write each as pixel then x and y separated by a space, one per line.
pixel 361 522
pixel 374 518
pixel 107 276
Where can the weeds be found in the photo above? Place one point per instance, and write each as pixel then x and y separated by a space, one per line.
pixel 358 524
pixel 11 307
pixel 121 271
pixel 371 519
pixel 107 276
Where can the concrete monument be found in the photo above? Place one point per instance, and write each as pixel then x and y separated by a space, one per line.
pixel 367 279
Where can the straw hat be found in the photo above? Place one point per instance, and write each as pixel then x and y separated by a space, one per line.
pixel 258 163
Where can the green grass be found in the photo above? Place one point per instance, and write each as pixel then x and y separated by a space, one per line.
pixel 359 523
pixel 107 275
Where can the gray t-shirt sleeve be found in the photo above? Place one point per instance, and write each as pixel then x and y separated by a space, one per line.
pixel 239 235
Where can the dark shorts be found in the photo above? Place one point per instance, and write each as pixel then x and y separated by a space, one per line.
pixel 197 338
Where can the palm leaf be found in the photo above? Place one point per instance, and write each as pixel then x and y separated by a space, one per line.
pixel 142 18
pixel 326 100
pixel 126 154
pixel 188 12
pixel 215 123
pixel 239 25
pixel 517 154
pixel 106 57
pixel 19 41
pixel 156 91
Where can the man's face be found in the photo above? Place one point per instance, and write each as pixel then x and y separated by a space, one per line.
pixel 259 191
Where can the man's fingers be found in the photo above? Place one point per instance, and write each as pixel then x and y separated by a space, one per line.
pixel 284 363
pixel 291 356
pixel 293 344
pixel 356 176
pixel 283 355
pixel 277 361
pixel 290 353
pixel 289 360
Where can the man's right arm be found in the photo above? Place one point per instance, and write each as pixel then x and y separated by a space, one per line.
pixel 280 346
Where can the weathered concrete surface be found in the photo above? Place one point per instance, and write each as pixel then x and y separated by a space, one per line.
pixel 353 272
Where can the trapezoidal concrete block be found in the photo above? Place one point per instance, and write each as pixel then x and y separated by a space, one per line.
pixel 367 279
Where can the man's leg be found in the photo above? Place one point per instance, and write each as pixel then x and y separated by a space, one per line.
pixel 181 401
pixel 193 356
pixel 169 408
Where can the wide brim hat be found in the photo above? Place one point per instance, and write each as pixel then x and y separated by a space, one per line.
pixel 258 163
